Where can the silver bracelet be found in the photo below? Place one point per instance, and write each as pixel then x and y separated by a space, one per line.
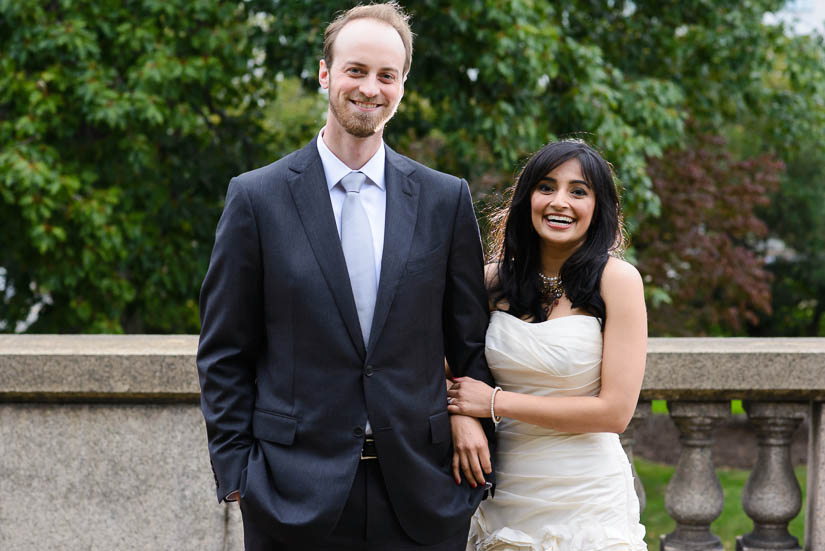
pixel 496 420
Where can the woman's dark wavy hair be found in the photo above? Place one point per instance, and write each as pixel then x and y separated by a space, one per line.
pixel 516 243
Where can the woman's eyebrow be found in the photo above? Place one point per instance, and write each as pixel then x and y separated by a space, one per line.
pixel 553 181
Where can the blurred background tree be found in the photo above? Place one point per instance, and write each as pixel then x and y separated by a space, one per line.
pixel 796 249
pixel 121 125
pixel 704 249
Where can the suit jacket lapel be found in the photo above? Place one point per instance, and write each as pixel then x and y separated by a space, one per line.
pixel 309 190
pixel 402 210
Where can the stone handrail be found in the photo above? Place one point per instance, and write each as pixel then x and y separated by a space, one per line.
pixel 161 367
pixel 79 368
pixel 103 446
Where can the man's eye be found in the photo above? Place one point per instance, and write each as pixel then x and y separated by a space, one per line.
pixel 388 76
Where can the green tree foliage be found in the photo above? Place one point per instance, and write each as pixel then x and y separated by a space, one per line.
pixel 796 216
pixel 717 52
pixel 120 124
pixel 796 219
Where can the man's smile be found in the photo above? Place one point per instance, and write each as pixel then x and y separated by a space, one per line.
pixel 365 106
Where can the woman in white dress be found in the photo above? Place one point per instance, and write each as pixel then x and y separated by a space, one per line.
pixel 566 343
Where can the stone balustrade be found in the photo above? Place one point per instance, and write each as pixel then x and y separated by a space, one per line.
pixel 781 382
pixel 102 445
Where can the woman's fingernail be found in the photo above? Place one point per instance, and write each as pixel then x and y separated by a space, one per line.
pixel 474 484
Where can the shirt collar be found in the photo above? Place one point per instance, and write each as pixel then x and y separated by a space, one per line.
pixel 335 169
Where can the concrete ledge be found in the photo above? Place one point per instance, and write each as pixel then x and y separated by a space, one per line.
pixel 728 368
pixel 123 368
pixel 155 368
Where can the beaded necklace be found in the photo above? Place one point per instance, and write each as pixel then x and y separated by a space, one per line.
pixel 551 289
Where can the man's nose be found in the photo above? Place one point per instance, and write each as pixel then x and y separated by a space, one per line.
pixel 369 86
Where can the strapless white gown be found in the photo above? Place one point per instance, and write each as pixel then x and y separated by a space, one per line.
pixel 555 491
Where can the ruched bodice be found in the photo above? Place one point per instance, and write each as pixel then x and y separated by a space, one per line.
pixel 555 491
pixel 557 357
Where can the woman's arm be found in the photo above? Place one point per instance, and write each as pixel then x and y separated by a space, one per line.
pixel 623 364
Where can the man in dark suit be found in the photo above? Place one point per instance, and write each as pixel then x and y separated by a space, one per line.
pixel 341 277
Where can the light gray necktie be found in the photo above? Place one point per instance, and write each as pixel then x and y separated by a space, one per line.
pixel 356 240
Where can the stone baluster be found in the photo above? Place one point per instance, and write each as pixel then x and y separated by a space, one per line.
pixel 694 496
pixel 642 412
pixel 772 497
pixel 815 506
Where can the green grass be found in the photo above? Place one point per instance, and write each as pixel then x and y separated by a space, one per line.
pixel 660 407
pixel 731 523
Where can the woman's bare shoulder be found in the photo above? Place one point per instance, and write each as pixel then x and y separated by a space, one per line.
pixel 617 269
pixel 619 277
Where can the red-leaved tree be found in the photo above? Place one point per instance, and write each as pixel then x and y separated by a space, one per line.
pixel 703 251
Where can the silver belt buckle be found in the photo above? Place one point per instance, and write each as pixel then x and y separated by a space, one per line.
pixel 367 441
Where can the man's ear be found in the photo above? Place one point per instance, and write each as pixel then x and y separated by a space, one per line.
pixel 323 75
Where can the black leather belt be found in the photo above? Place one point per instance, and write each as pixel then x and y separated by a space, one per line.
pixel 369 451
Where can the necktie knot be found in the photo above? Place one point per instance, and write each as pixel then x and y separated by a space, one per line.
pixel 353 181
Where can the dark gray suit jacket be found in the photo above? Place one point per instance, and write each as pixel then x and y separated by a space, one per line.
pixel 287 381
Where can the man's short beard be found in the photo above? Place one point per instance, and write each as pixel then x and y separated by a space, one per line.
pixel 355 124
pixel 358 126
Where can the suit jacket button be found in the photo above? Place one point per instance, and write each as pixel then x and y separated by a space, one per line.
pixel 368 371
pixel 358 432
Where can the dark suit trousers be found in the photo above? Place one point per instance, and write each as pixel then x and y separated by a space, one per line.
pixel 368 523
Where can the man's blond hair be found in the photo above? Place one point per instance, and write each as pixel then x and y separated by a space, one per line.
pixel 390 13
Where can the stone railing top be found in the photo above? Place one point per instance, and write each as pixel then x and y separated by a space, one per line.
pixel 162 368
pixel 725 368
pixel 98 345
pixel 738 345
pixel 98 367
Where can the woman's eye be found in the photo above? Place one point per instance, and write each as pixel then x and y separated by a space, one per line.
pixel 544 188
pixel 580 192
